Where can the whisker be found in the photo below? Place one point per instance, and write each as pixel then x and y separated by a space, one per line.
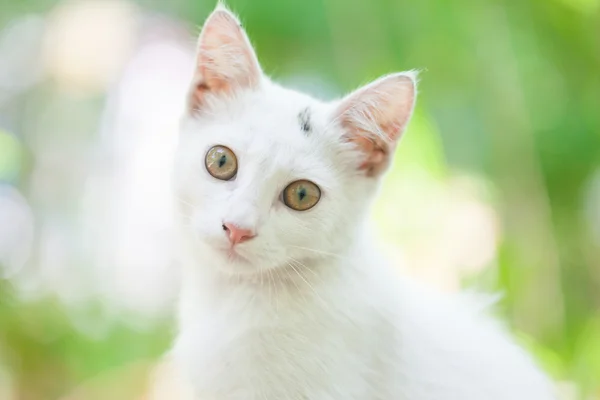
pixel 298 263
pixel 322 252
pixel 269 278
pixel 260 274
pixel 300 292
pixel 187 203
pixel 291 278
pixel 308 284
pixel 276 279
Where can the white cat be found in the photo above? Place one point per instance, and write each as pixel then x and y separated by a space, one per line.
pixel 284 296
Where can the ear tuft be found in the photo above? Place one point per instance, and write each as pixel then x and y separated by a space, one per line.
pixel 225 61
pixel 375 116
pixel 222 6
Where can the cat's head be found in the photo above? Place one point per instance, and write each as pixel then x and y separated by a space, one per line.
pixel 266 176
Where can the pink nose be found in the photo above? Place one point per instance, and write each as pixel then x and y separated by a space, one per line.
pixel 236 234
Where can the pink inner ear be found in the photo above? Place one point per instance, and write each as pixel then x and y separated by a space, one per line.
pixel 376 154
pixel 375 118
pixel 226 61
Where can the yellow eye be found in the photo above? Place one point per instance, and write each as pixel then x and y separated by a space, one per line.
pixel 221 163
pixel 301 195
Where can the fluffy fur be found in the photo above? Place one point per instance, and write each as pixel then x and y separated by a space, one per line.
pixel 307 309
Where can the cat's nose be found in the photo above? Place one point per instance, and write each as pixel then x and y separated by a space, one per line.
pixel 236 234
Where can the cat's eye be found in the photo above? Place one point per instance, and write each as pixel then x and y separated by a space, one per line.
pixel 221 163
pixel 301 195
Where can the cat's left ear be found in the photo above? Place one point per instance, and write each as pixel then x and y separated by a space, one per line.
pixel 225 61
pixel 375 116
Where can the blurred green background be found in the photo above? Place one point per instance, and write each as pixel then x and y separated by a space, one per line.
pixel 496 185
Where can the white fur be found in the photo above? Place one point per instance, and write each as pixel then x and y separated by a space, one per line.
pixel 313 312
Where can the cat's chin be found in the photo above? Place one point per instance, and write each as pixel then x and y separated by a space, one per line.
pixel 231 261
pixel 234 257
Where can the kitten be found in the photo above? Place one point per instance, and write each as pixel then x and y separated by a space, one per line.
pixel 284 296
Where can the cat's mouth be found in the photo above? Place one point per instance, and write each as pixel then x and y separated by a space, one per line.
pixel 233 255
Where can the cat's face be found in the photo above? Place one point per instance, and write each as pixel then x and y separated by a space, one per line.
pixel 268 177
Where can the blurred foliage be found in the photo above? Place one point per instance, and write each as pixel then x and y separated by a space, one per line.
pixel 509 90
pixel 49 355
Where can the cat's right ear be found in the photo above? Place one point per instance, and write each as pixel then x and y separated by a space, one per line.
pixel 225 60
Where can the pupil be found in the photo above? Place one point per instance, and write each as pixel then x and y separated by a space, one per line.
pixel 302 194
pixel 222 161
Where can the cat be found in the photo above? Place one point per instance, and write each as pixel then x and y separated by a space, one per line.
pixel 284 295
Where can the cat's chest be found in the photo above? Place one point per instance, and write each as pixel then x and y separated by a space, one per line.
pixel 269 356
